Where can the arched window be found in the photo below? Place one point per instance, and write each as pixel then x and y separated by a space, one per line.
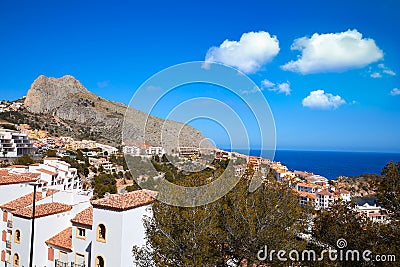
pixel 16 260
pixel 101 233
pixel 17 236
pixel 99 261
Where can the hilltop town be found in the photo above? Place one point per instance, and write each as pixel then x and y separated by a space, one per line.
pixel 85 201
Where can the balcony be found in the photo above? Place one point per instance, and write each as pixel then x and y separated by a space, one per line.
pixel 59 263
pixel 9 224
pixel 8 244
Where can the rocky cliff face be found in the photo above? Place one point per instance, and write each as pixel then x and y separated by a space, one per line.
pixel 67 99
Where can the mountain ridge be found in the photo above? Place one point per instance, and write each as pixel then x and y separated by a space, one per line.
pixel 66 99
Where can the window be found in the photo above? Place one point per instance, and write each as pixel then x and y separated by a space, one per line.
pixel 16 260
pixel 99 261
pixel 17 236
pixel 81 233
pixel 79 259
pixel 63 256
pixel 101 233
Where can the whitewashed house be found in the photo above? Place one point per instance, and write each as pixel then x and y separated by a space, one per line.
pixel 103 234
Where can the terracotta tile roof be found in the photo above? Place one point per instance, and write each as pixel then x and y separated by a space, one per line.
pixel 305 194
pixel 62 240
pixel 13 178
pixel 126 201
pixel 26 200
pixel 84 217
pixel 35 164
pixel 43 210
pixel 308 185
pixel 51 158
pixel 342 191
pixel 325 193
pixel 18 166
pixel 47 172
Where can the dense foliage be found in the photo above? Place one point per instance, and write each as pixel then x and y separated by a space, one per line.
pixel 104 183
pixel 234 227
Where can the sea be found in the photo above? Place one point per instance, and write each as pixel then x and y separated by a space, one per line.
pixel 332 164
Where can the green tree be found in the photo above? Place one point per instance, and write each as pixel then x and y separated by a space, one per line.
pixel 24 160
pixel 102 184
pixel 234 227
pixel 388 191
pixel 51 153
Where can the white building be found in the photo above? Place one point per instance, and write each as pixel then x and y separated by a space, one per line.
pixel 15 144
pixel 131 150
pixel 155 151
pixel 325 198
pixel 57 173
pixel 106 149
pixel 103 234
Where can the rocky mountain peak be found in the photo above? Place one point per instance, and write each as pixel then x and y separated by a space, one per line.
pixel 94 117
pixel 46 93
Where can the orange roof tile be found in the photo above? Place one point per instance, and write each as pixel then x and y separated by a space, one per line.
pixel 51 158
pixel 307 185
pixel 126 201
pixel 62 239
pixel 84 217
pixel 305 194
pixel 26 200
pixel 46 172
pixel 325 193
pixel 7 178
pixel 43 210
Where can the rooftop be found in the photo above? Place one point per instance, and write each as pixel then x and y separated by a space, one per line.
pixel 26 200
pixel 7 178
pixel 46 172
pixel 62 239
pixel 43 210
pixel 126 201
pixel 325 192
pixel 84 217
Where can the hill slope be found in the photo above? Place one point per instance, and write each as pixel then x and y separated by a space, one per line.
pixel 68 103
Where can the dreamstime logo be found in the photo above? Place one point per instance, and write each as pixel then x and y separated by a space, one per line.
pixel 331 254
pixel 230 100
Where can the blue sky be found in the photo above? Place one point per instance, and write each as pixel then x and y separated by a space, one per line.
pixel 348 49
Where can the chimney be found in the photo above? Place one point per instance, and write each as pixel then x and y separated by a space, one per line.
pixel 44 192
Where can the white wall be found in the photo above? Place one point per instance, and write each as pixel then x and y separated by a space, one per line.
pixel 43 232
pixel 13 191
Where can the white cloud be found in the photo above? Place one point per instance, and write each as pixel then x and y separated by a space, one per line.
pixel 267 84
pixel 333 52
pixel 320 100
pixel 389 72
pixel 249 54
pixel 395 91
pixel 382 69
pixel 280 88
pixel 376 75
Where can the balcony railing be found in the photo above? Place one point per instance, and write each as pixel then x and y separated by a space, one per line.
pixel 8 244
pixel 9 224
pixel 59 263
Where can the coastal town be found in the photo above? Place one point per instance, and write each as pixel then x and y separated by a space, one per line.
pixel 74 226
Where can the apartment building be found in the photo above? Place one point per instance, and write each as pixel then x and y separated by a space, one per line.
pixel 14 144
pixel 104 233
